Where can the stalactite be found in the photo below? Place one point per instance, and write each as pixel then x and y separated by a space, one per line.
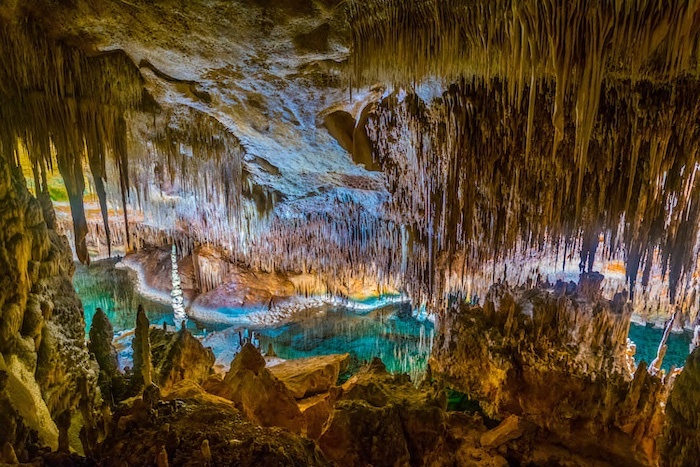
pixel 58 102
pixel 483 200
pixel 72 172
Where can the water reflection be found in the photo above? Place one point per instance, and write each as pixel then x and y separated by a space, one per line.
pixel 390 332
pixel 647 339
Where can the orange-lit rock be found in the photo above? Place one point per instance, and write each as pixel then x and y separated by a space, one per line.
pixel 257 393
pixel 306 377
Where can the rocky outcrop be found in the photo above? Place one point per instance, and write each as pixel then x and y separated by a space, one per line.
pixel 178 356
pixel 43 357
pixel 100 344
pixel 382 419
pixel 681 438
pixel 257 393
pixel 192 427
pixel 306 377
pixel 555 359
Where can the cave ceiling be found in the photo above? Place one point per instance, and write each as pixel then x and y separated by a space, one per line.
pixel 499 127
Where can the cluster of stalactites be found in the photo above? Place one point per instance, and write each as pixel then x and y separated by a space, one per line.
pixel 187 176
pixel 60 104
pixel 575 44
pixel 201 156
pixel 481 198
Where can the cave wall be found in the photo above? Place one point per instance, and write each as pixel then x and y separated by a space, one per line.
pixel 46 372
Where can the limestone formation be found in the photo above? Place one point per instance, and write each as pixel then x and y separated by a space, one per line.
pixel 100 344
pixel 257 152
pixel 681 436
pixel 43 355
pixel 194 427
pixel 178 356
pixel 257 393
pixel 310 376
pixel 143 368
pixel 405 425
pixel 531 353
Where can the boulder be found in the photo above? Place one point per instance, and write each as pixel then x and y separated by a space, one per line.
pixel 306 377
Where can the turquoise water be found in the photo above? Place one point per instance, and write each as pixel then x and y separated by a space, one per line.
pixel 389 332
pixel 112 289
pixel 647 339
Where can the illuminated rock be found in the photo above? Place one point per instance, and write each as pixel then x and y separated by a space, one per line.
pixel 558 361
pixel 257 393
pixel 306 377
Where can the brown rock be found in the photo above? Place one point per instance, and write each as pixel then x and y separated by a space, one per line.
pixel 559 362
pixel 257 393
pixel 196 428
pixel 100 344
pixel 305 377
pixel 178 356
pixel 383 419
pixel 508 430
pixel 7 455
pixel 681 435
pixel 162 459
pixel 360 434
pixel 341 126
pixel 142 354
pixel 316 410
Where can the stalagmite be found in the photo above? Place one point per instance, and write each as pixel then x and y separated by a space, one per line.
pixel 100 344
pixel 655 365
pixel 179 314
pixel 143 369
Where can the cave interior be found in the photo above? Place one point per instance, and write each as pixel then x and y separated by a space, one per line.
pixel 350 232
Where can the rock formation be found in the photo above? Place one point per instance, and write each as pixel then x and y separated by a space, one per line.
pixel 541 355
pixel 257 393
pixel 406 426
pixel 178 356
pixel 190 420
pixel 100 344
pixel 43 357
pixel 681 437
pixel 143 368
pixel 312 147
pixel 310 376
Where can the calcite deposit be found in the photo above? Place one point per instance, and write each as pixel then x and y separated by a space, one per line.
pixel 524 171
pixel 542 355
pixel 47 374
